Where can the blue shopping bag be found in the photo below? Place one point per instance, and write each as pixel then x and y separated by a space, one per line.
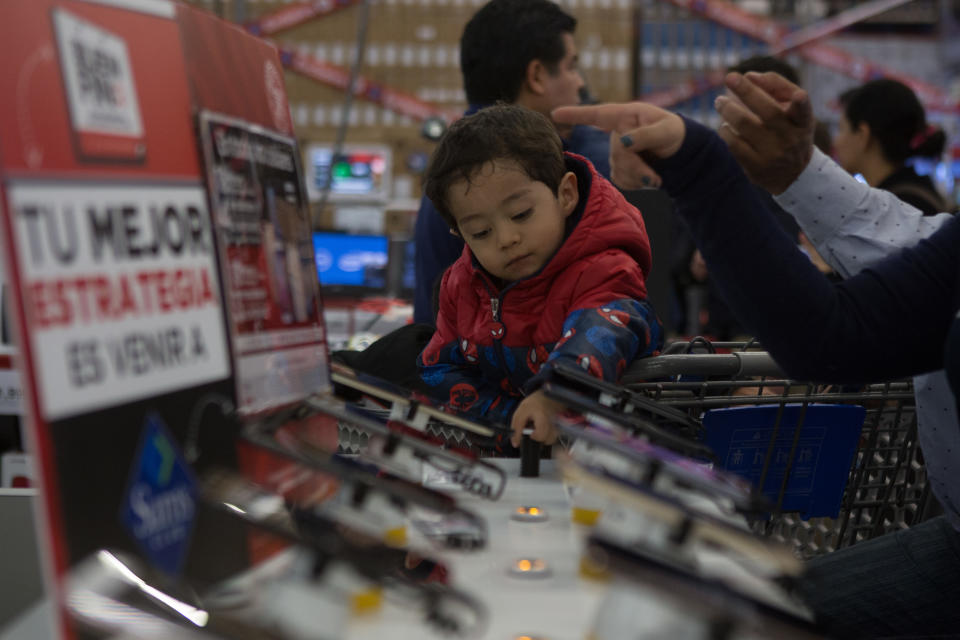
pixel 829 435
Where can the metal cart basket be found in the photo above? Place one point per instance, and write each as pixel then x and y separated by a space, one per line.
pixel 885 483
pixel 886 487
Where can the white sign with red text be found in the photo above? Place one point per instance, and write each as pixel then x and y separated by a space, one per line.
pixel 120 290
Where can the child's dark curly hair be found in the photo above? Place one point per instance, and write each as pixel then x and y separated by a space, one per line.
pixel 500 132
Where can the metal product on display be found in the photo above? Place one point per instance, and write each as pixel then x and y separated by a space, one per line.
pixel 718 607
pixel 655 465
pixel 466 432
pixel 681 525
pixel 416 409
pixel 795 429
pixel 271 434
pixel 447 608
pixel 111 594
pixel 399 447
pixel 660 424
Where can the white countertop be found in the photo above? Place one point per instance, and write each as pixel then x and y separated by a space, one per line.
pixel 560 606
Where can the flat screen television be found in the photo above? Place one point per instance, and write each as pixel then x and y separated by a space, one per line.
pixel 944 175
pixel 357 173
pixel 351 264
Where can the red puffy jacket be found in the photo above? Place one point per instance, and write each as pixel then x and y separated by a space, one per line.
pixel 586 306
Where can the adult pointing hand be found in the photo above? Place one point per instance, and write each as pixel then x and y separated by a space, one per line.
pixel 638 131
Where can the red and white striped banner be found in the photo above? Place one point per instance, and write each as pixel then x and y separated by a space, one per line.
pixel 684 91
pixel 338 77
pixel 804 41
pixel 735 18
pixel 333 75
pixel 829 26
pixel 296 14
pixel 932 96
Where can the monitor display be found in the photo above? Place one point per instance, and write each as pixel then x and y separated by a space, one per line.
pixel 944 175
pixel 348 261
pixel 356 173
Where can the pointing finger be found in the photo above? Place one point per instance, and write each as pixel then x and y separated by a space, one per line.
pixel 662 138
pixel 603 116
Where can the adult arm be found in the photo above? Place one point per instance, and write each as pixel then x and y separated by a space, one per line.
pixel 851 224
pixel 769 129
pixel 885 322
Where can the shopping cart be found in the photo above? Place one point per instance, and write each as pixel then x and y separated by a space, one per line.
pixel 886 486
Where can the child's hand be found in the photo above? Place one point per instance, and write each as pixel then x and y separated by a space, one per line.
pixel 539 412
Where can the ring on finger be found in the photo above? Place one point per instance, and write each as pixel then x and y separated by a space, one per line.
pixel 730 127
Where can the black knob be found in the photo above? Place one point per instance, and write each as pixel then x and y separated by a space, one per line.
pixel 529 457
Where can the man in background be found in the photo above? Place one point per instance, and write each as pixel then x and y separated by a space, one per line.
pixel 519 52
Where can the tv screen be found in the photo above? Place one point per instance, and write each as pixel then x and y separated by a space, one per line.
pixel 355 262
pixel 355 173
pixel 944 175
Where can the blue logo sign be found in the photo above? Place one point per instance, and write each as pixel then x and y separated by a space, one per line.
pixel 160 504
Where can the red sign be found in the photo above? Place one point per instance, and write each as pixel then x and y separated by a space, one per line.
pixel 262 219
pixel 216 52
pixel 261 213
pixel 111 262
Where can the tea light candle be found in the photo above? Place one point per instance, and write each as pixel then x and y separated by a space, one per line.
pixel 529 568
pixel 529 514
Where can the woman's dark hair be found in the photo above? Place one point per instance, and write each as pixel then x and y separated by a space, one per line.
pixel 500 132
pixel 501 40
pixel 896 120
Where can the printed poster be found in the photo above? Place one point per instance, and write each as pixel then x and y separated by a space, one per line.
pixel 261 214
pixel 113 288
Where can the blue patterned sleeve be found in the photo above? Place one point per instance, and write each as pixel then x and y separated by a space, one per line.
pixel 604 340
pixel 458 383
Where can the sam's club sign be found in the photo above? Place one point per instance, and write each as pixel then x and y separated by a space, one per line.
pixel 160 504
